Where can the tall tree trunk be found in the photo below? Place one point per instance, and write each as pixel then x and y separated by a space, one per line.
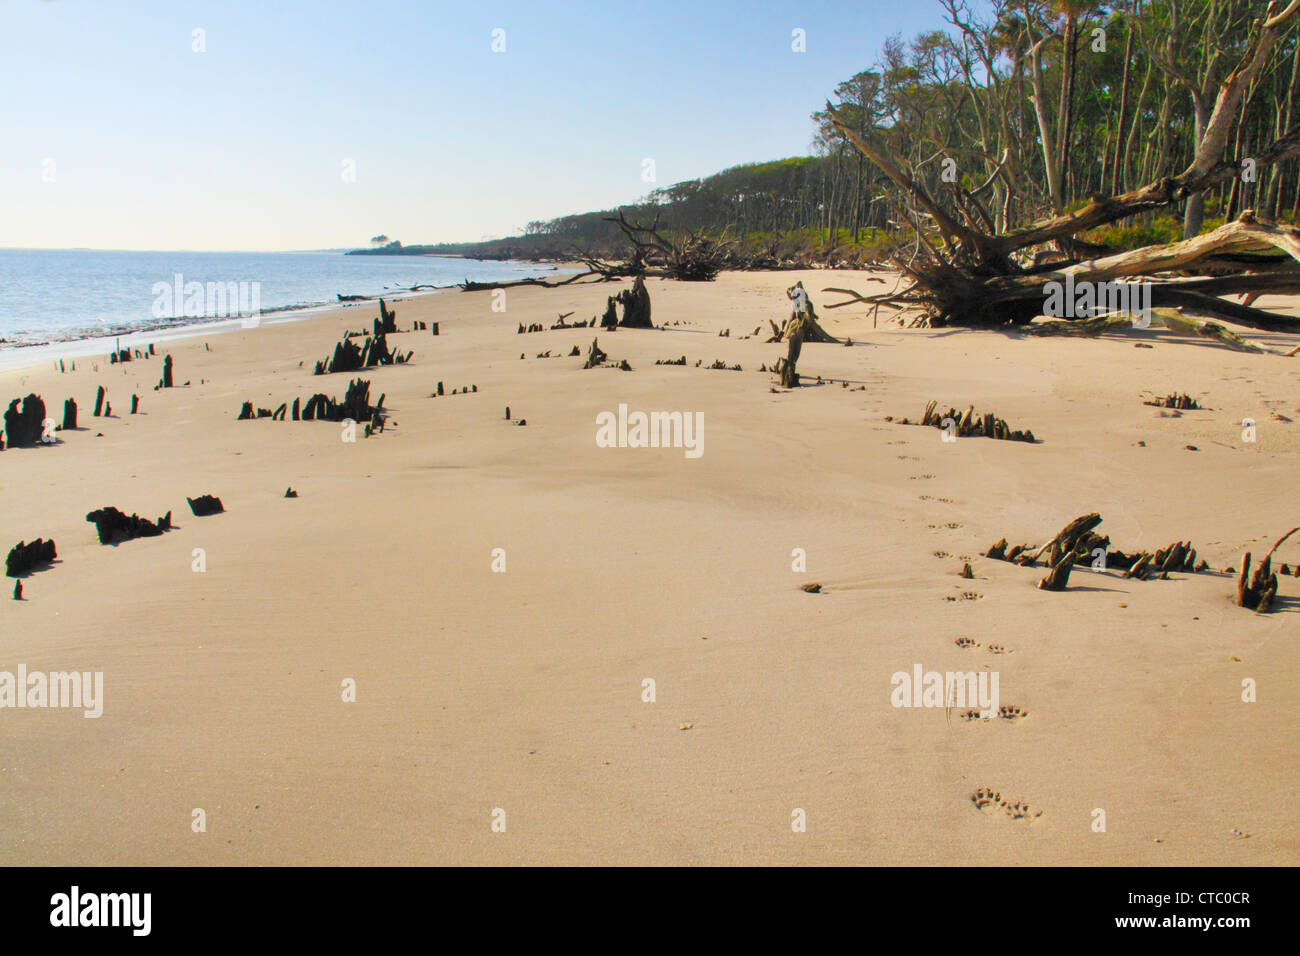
pixel 1115 185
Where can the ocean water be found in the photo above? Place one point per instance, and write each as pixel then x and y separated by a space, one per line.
pixel 62 295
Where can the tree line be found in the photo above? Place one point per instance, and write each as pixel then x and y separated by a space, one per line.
pixel 1034 105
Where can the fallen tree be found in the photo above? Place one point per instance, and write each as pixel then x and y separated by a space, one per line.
pixel 963 274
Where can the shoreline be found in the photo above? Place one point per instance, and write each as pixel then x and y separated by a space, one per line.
pixel 15 355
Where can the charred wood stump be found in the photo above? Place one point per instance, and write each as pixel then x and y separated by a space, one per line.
pixel 610 319
pixel 113 526
pixel 245 412
pixel 1257 592
pixel 387 319
pixel 278 414
pixel 167 371
pixel 25 558
pixel 290 493
pixel 26 426
pixel 205 505
pixel 69 414
pixel 135 404
pixel 595 356
pixel 636 306
pixel 297 408
pixel 99 402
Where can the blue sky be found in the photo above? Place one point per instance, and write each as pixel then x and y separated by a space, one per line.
pixel 116 134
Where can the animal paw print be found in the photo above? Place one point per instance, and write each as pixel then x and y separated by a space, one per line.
pixel 998 649
pixel 942 554
pixel 973 715
pixel 964 596
pixel 1011 712
pixel 908 458
pixel 1022 811
pixel 919 477
pixel 965 642
pixel 986 800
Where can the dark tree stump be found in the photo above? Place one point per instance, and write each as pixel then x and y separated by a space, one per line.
pixel 24 558
pixel 69 414
pixel 26 426
pixel 205 505
pixel 113 526
pixel 636 306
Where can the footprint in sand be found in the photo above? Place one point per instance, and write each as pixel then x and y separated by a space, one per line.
pixel 908 458
pixel 919 477
pixel 942 554
pixel 964 642
pixel 998 649
pixel 965 596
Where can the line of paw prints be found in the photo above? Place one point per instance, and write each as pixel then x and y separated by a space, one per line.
pixel 968 642
pixel 1005 712
pixel 990 801
pixel 964 596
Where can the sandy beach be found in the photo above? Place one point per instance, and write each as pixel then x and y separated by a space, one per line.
pixel 478 690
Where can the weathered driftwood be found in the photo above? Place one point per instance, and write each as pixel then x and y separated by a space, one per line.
pixel 970 424
pixel 787 368
pixel 135 404
pixel 1182 402
pixel 1080 541
pixel 25 426
pixel 24 558
pixel 113 526
pixel 69 414
pixel 1260 591
pixel 205 505
pixel 595 356
pixel 290 493
pixel 1257 592
pixel 99 402
pixel 167 371
pixel 1058 578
